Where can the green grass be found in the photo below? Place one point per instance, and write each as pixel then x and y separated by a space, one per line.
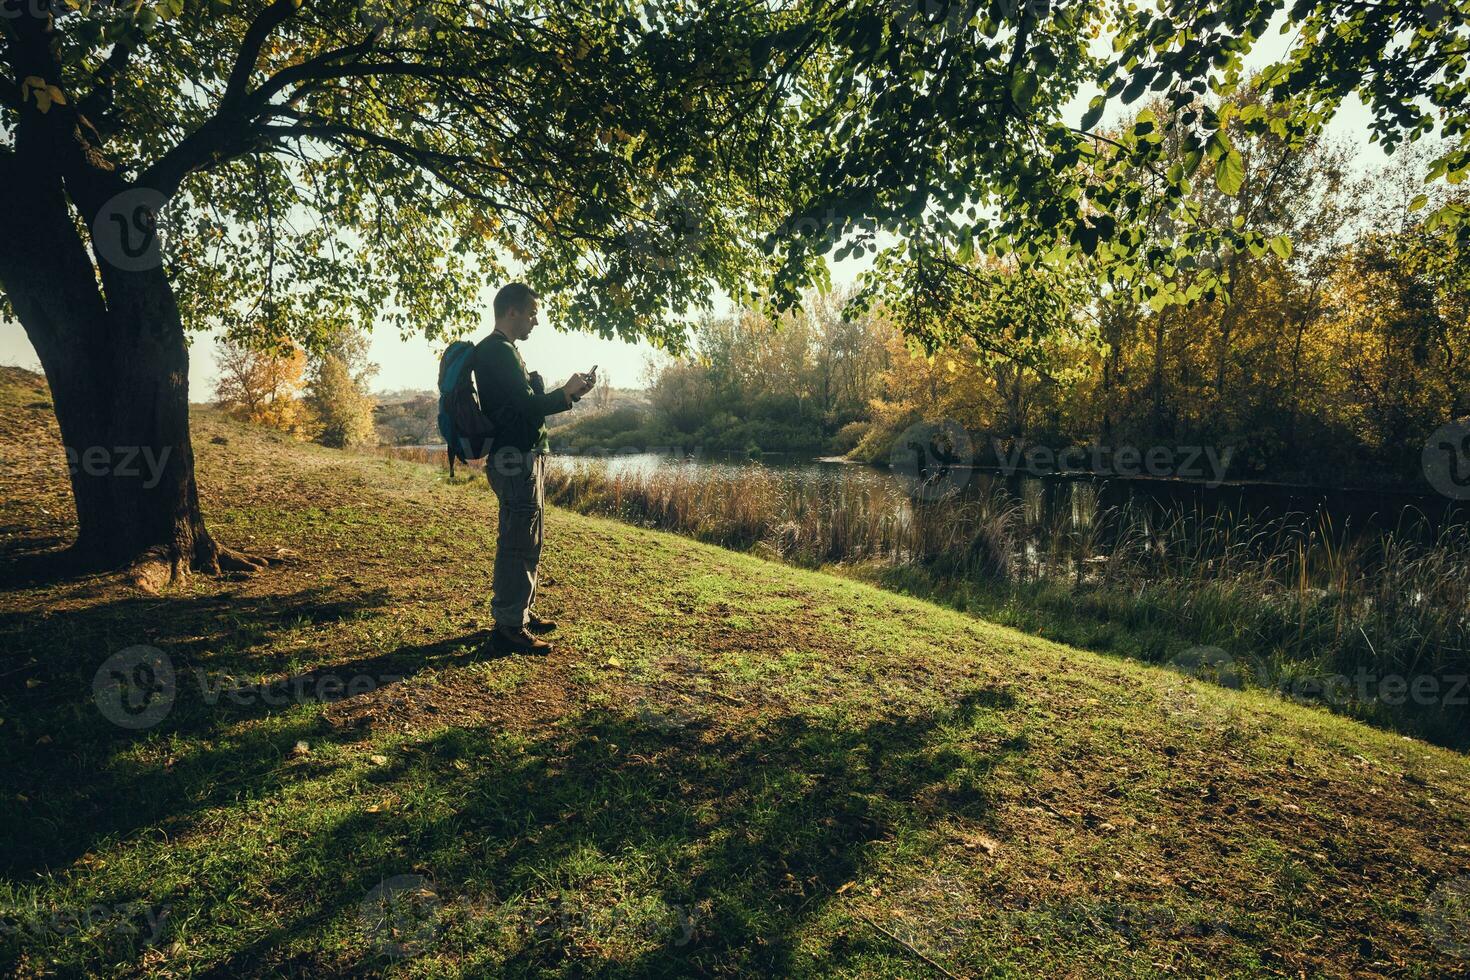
pixel 728 767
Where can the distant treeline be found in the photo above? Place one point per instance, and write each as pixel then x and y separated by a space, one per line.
pixel 1331 363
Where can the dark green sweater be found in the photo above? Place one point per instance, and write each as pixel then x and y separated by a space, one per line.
pixel 516 405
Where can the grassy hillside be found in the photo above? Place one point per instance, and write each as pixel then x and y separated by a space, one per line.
pixel 727 767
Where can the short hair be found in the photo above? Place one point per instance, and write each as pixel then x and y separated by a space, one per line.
pixel 513 296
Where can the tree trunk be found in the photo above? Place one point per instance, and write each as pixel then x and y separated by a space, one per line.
pixel 118 368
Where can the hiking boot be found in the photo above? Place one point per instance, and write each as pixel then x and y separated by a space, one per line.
pixel 539 624
pixel 517 640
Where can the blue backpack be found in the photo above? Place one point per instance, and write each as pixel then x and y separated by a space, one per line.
pixel 467 432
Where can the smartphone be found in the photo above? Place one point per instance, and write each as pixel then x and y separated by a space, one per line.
pixel 593 373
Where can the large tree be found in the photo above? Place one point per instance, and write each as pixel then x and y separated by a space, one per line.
pixel 175 165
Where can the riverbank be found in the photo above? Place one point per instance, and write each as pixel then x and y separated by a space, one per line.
pixel 1373 622
pixel 729 766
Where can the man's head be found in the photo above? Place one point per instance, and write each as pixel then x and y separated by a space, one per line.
pixel 516 308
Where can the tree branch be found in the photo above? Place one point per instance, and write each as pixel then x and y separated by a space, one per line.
pixel 99 99
pixel 255 37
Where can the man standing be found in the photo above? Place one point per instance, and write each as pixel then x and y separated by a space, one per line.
pixel 517 403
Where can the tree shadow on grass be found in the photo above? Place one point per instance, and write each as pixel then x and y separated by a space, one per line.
pixel 728 840
pixel 32 560
pixel 74 778
pixel 619 847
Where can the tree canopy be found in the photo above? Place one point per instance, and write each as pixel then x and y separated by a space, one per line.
pixel 390 157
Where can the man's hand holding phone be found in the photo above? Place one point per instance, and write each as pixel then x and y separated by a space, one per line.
pixel 579 384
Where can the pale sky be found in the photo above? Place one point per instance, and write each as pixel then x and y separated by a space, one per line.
pixel 413 363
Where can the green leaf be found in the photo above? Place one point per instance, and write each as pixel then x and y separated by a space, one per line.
pixel 1418 202
pixel 1218 146
pixel 1094 112
pixel 1192 160
pixel 1230 174
pixel 1281 245
pixel 1023 90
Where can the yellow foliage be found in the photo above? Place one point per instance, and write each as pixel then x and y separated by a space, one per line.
pixel 263 387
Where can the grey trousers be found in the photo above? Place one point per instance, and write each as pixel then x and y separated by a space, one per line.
pixel 519 484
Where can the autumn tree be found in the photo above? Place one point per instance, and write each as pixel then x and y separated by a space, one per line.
pixel 342 409
pixel 262 386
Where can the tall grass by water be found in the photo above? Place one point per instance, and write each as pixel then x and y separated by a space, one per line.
pixel 1349 617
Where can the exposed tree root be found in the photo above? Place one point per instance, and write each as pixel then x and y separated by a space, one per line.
pixel 160 567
